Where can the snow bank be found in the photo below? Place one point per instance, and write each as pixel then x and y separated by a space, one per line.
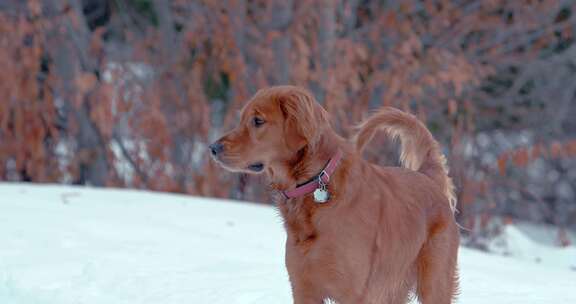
pixel 78 245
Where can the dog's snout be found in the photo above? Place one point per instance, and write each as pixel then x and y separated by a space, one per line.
pixel 216 148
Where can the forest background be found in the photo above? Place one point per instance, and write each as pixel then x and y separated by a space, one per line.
pixel 129 93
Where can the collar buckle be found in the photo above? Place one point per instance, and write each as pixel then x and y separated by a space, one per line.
pixel 321 180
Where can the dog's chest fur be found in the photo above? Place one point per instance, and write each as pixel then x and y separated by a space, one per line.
pixel 298 215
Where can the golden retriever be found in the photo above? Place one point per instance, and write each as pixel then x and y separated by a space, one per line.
pixel 376 234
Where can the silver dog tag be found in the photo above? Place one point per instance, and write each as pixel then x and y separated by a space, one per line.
pixel 321 195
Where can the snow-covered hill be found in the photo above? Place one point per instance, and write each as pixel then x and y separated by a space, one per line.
pixel 76 245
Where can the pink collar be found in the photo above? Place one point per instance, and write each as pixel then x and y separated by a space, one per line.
pixel 323 176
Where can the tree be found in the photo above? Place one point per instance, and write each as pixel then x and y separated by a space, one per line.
pixel 129 92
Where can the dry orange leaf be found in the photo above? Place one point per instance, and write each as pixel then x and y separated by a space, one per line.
pixel 521 157
pixel 502 163
pixel 85 82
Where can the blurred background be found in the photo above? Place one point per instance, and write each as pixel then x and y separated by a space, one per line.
pixel 129 93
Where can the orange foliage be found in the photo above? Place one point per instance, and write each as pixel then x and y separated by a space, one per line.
pixel 131 98
pixel 524 156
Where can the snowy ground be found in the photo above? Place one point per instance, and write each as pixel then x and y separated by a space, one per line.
pixel 77 245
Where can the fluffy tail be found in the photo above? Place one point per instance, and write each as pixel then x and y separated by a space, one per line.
pixel 419 151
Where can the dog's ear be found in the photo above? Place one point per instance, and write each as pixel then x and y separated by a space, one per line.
pixel 304 118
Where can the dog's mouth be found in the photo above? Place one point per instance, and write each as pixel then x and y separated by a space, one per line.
pixel 256 167
pixel 230 166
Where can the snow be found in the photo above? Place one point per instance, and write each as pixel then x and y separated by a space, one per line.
pixel 513 242
pixel 80 245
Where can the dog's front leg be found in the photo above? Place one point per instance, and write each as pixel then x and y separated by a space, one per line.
pixel 307 286
pixel 306 295
pixel 304 289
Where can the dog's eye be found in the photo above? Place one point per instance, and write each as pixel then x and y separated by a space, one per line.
pixel 257 122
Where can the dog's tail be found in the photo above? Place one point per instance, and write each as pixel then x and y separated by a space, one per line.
pixel 419 150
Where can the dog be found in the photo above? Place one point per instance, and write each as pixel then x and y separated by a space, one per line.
pixel 356 232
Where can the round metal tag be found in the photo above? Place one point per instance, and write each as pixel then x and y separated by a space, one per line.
pixel 320 195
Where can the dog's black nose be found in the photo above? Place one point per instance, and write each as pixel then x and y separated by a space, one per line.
pixel 216 148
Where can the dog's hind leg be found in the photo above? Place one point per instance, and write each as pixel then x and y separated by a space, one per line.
pixel 437 279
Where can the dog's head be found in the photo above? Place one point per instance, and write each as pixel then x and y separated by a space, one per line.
pixel 275 124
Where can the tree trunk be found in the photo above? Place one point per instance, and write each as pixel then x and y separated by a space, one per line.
pixel 280 21
pixel 69 44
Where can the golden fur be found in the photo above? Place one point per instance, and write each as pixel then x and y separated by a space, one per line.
pixel 386 231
